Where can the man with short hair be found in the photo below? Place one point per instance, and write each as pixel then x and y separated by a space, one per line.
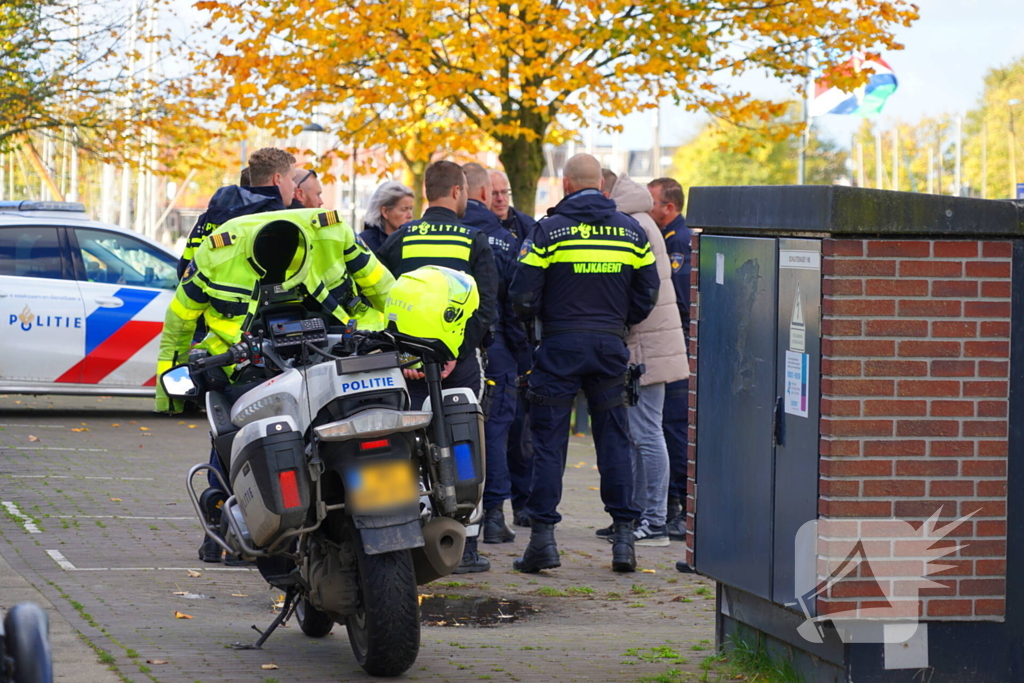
pixel 513 220
pixel 587 274
pixel 501 363
pixel 271 188
pixel 667 195
pixel 308 190
pixel 440 238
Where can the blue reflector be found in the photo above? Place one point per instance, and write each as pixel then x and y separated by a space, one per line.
pixel 464 462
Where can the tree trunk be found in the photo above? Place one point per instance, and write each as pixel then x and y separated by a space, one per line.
pixel 413 178
pixel 523 160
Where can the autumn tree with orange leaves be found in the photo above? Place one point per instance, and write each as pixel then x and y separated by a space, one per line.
pixel 514 70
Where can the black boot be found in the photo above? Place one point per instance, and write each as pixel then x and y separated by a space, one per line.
pixel 542 553
pixel 210 550
pixel 675 508
pixel 520 518
pixel 623 553
pixel 495 528
pixel 472 561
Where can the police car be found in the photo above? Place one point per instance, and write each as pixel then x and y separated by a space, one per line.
pixel 82 303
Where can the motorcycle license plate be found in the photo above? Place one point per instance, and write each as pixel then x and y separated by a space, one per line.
pixel 378 486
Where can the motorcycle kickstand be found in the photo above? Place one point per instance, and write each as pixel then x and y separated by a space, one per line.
pixel 286 612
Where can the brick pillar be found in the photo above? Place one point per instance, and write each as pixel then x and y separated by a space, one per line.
pixel 914 402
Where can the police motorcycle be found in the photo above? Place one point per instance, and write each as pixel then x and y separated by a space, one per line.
pixel 345 497
pixel 25 646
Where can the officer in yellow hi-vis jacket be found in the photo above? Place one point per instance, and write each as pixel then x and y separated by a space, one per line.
pixel 310 251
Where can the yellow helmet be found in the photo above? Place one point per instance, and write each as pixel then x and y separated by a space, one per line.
pixel 432 304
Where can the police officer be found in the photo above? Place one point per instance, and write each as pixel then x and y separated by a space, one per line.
pixel 267 185
pixel 501 367
pixel 441 239
pixel 520 449
pixel 310 252
pixel 668 203
pixel 587 274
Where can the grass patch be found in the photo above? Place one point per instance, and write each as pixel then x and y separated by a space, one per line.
pixel 703 591
pixel 550 592
pixel 750 661
pixel 668 676
pixel 640 589
pixel 452 584
pixel 579 590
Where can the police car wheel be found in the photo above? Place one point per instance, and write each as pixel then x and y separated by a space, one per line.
pixel 27 642
pixel 312 621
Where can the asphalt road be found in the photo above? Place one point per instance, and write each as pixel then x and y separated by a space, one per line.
pixel 97 528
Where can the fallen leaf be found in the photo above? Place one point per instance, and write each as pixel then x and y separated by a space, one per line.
pixel 648 571
pixel 593 488
pixel 79 429
pixel 180 593
pixel 17 401
pixel 181 422
pixel 239 595
pixel 115 425
pixel 269 667
pixel 145 429
pixel 132 422
pixel 191 426
pixel 156 661
pixel 116 500
pixel 193 574
pixel 182 615
pixel 33 438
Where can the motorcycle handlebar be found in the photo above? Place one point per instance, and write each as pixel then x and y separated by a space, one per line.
pixel 243 350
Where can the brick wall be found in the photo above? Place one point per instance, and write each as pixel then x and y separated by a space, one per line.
pixel 915 377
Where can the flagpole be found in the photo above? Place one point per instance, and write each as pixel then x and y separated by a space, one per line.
pixel 804 135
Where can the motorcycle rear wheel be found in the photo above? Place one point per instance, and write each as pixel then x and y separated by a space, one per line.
pixel 312 621
pixel 385 631
pixel 27 641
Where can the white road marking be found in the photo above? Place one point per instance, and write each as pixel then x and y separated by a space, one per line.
pixel 62 561
pixel 49 447
pixel 8 424
pixel 30 525
pixel 170 519
pixel 68 476
pixel 67 566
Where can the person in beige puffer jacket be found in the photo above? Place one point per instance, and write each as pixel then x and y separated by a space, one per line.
pixel 658 343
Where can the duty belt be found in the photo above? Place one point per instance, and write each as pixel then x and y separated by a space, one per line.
pixel 551 330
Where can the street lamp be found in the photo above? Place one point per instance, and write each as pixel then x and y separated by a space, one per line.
pixel 1013 152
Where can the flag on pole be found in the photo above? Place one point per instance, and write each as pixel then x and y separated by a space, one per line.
pixel 866 100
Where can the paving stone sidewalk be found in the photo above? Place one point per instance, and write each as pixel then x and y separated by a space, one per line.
pixel 102 481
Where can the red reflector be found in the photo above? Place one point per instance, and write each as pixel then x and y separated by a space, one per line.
pixel 289 489
pixel 371 445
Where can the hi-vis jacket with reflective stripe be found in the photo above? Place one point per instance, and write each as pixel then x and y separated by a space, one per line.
pixel 587 268
pixel 440 239
pixel 221 285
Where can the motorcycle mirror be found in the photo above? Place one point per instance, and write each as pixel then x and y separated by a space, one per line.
pixel 177 382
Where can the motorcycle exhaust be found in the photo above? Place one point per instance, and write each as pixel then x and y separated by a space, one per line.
pixel 444 539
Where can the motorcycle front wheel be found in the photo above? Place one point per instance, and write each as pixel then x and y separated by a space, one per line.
pixel 385 631
pixel 28 643
pixel 312 621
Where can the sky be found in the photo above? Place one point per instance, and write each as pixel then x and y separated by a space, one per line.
pixel 941 70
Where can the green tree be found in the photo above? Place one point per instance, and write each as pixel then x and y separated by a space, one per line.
pixel 987 133
pixel 722 153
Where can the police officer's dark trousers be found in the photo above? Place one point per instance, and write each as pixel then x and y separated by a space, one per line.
pixel 563 364
pixel 674 424
pixel 501 369
pixel 520 445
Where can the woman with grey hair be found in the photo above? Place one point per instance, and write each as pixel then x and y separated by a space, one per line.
pixel 390 208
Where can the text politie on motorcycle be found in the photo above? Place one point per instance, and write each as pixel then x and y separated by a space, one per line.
pixel 322 259
pixel 587 273
pixel 439 238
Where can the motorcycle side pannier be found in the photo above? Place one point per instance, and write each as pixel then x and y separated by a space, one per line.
pixel 465 420
pixel 271 480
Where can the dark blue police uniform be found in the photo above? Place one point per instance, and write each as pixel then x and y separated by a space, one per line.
pixel 587 273
pixel 678 242
pixel 373 237
pixel 501 363
pixel 519 224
